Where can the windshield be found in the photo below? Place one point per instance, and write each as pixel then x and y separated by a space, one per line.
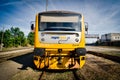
pixel 59 23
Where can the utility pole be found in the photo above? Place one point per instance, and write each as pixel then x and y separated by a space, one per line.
pixel 46 5
pixel 2 39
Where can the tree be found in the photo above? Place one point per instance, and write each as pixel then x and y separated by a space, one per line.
pixel 15 32
pixel 13 37
pixel 1 38
pixel 31 38
pixel 18 37
pixel 7 40
pixel 25 42
pixel 1 32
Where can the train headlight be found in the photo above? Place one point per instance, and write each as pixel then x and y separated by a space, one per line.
pixel 42 39
pixel 77 40
pixel 77 35
pixel 42 34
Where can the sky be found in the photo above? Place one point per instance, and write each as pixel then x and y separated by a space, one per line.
pixel 103 16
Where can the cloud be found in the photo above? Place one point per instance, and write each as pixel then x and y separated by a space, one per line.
pixel 28 5
pixel 11 3
pixel 21 16
pixel 102 16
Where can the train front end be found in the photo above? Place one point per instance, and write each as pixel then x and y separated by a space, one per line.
pixel 59 40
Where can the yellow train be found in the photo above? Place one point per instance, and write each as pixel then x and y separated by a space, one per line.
pixel 59 41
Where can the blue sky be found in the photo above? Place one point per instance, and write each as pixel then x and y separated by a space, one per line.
pixel 103 16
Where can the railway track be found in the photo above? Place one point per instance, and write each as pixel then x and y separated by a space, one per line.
pixel 41 75
pixel 110 57
pixel 78 76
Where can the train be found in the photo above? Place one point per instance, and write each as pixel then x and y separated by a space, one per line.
pixel 59 41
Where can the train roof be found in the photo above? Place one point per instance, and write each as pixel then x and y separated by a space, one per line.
pixel 64 12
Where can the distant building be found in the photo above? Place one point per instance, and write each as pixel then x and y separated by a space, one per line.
pixel 110 37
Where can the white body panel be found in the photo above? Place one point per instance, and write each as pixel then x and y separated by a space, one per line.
pixel 60 37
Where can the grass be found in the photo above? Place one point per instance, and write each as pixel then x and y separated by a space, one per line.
pixel 59 76
pixel 100 69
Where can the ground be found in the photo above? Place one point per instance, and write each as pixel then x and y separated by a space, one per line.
pixel 22 68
